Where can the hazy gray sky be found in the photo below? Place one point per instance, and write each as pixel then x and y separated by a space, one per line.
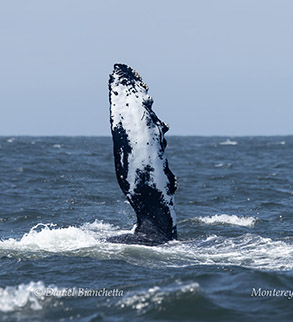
pixel 222 67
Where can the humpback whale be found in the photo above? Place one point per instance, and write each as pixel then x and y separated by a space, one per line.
pixel 141 165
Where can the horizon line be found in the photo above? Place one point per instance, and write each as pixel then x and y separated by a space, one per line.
pixel 171 135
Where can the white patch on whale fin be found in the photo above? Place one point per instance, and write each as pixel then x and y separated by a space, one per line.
pixel 141 165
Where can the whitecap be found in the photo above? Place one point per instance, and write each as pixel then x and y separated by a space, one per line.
pixel 10 140
pixel 228 219
pixel 228 142
pixel 277 143
pixel 49 238
pixel 15 298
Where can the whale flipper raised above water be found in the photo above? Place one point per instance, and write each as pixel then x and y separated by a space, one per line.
pixel 141 165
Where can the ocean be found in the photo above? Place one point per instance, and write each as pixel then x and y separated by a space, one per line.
pixel 233 261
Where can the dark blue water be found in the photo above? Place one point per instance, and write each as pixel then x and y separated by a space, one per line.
pixel 59 200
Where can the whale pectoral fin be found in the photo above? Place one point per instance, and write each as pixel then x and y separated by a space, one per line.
pixel 152 209
pixel 141 165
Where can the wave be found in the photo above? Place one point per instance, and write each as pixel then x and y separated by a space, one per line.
pixel 36 296
pixel 246 250
pixel 159 297
pixel 277 143
pixel 228 142
pixel 49 238
pixel 15 298
pixel 227 219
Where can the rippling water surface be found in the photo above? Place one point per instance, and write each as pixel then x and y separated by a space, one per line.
pixel 59 200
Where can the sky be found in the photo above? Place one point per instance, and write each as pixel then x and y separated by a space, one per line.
pixel 213 67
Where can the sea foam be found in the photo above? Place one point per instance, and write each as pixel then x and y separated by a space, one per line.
pixel 245 250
